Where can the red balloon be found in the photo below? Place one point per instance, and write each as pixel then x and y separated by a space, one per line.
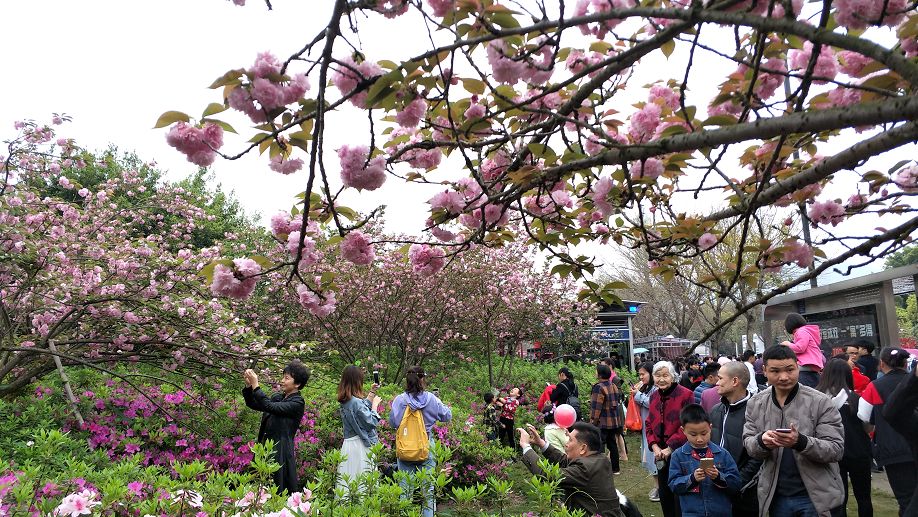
pixel 565 416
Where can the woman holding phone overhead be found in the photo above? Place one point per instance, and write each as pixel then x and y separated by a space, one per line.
pixel 360 417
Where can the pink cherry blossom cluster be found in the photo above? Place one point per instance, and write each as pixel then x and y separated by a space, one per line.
pixel 198 144
pixel 236 282
pixel 356 248
pixel 600 196
pixel 392 8
pixel 426 260
pixel 578 60
pixel 450 201
pixel 418 157
pixel 319 305
pixel 282 224
pixel 359 172
pixel 909 44
pixel 664 96
pixel 858 14
pixel 285 166
pixel 599 29
pixel 441 8
pixel 268 88
pixel 798 252
pixel 707 241
pixel 490 215
pixel 594 145
pixel 852 63
pixel 510 67
pixel 826 212
pixel 413 113
pixel 907 178
pixel 771 77
pixel 644 123
pixel 351 74
pixel 826 64
pixel 309 255
pixel 651 168
pixel 550 204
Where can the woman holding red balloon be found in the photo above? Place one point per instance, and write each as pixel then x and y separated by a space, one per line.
pixel 664 430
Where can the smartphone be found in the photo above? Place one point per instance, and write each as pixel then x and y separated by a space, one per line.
pixel 783 430
pixel 707 463
pixel 376 377
pixel 533 433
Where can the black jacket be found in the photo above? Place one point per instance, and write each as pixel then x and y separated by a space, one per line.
pixel 562 393
pixel 857 441
pixel 890 446
pixel 868 365
pixel 279 422
pixel 727 421
pixel 901 412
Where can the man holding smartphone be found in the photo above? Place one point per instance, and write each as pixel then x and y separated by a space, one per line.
pixel 798 434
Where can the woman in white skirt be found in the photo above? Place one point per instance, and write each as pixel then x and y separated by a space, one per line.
pixel 641 393
pixel 359 417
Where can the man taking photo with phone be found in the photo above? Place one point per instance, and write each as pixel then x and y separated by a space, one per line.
pixel 586 473
pixel 798 433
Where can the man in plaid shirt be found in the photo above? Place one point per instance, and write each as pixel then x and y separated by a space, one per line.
pixel 605 412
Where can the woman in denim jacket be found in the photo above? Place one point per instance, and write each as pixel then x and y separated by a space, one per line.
pixel 360 417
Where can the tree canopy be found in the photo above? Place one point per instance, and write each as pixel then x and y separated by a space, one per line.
pixel 559 142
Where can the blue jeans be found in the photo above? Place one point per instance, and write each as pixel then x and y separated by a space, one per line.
pixel 808 378
pixel 430 502
pixel 798 506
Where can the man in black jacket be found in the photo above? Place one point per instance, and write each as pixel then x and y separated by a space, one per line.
pixel 282 413
pixel 727 420
pixel 901 412
pixel 867 362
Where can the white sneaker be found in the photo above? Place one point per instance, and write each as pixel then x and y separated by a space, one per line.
pixel 654 495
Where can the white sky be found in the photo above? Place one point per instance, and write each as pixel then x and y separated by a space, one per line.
pixel 115 66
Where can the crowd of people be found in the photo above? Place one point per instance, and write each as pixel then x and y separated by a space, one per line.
pixel 782 433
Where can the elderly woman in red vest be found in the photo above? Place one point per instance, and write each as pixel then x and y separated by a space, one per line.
pixel 664 430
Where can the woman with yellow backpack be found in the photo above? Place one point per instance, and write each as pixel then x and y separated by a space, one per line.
pixel 413 414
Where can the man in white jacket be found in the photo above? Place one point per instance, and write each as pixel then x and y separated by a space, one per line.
pixel 748 360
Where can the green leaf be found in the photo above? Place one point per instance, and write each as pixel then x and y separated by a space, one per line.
pixel 226 127
pixel 562 270
pixel 208 271
pixel 474 86
pixel 720 120
pixel 382 87
pixel 616 285
pixel 674 130
pixel 263 261
pixel 346 212
pixel 898 166
pixel 505 20
pixel 228 78
pixel 600 46
pixel 668 48
pixel 212 109
pixel 171 117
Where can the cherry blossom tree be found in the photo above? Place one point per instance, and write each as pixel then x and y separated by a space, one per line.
pixel 88 281
pixel 391 311
pixel 559 143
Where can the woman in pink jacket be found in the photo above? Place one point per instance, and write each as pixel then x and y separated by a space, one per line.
pixel 806 345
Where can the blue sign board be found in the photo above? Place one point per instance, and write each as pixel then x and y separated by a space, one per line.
pixel 611 334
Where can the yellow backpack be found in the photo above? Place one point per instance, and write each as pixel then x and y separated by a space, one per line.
pixel 411 441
